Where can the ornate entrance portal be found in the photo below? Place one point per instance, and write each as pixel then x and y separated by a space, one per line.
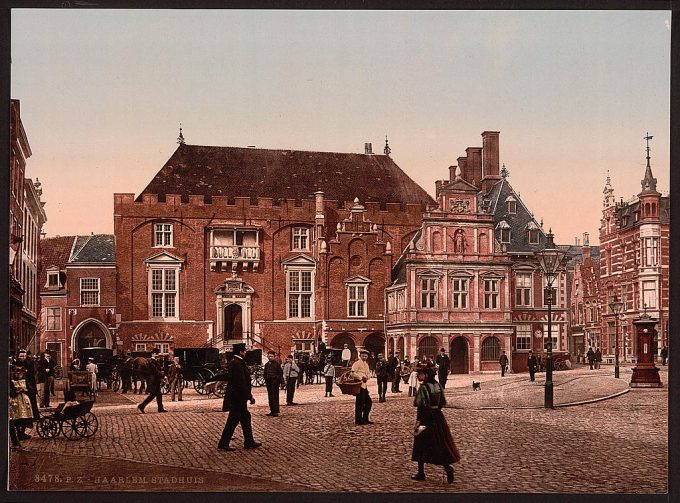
pixel 234 312
pixel 460 358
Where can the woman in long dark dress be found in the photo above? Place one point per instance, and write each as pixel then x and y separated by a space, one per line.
pixel 432 442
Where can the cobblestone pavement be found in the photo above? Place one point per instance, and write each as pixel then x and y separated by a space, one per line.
pixel 508 442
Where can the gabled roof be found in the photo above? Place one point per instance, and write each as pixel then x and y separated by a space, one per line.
pixel 291 174
pixel 94 249
pixel 517 222
pixel 53 252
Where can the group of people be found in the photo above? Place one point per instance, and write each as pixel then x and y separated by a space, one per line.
pixel 594 358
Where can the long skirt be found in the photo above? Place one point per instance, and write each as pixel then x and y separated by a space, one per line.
pixel 434 445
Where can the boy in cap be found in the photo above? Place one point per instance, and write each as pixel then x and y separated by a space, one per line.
pixel 382 373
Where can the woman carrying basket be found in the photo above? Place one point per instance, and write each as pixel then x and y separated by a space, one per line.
pixel 432 442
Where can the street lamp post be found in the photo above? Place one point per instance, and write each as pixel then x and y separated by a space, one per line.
pixel 616 305
pixel 549 260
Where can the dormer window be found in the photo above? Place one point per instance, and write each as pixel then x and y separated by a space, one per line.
pixel 511 205
pixel 162 235
pixel 53 281
pixel 504 229
pixel 532 233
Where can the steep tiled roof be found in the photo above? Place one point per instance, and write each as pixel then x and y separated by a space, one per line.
pixel 519 240
pixel 291 174
pixel 97 248
pixel 53 252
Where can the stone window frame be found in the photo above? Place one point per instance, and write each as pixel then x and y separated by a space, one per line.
pixel 164 347
pixel 300 292
pixel 163 291
pixel 89 288
pixel 357 284
pixel 52 317
pixel 300 233
pixel 460 294
pixel 140 346
pixel 491 296
pixel 525 338
pixel 524 288
pixel 57 284
pixel 165 232
pixel 429 289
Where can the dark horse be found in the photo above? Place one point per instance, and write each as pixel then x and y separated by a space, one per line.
pixel 133 370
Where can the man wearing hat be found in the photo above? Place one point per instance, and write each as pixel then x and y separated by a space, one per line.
pixel 236 399
pixel 363 404
pixel 154 378
pixel 382 373
pixel 443 365
pixel 46 377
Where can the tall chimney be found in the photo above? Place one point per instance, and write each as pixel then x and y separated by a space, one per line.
pixel 490 164
pixel 462 163
pixel 368 148
pixel 474 165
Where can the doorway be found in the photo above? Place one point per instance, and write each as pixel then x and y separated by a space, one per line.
pixel 460 359
pixel 233 322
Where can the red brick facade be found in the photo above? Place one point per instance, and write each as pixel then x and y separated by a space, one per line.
pixel 277 273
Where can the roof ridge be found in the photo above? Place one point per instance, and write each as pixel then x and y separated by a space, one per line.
pixel 290 150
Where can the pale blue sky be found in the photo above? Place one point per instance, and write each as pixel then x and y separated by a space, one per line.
pixel 572 93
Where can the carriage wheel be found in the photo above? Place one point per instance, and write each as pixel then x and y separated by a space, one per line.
pixel 75 428
pixel 220 389
pixel 91 424
pixel 165 387
pixel 47 427
pixel 260 379
pixel 199 382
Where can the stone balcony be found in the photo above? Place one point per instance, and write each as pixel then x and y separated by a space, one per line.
pixel 223 255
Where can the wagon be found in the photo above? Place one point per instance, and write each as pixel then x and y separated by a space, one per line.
pixel 107 365
pixel 198 365
pixel 79 380
pixel 74 423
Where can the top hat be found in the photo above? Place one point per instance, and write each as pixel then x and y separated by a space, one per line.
pixel 238 347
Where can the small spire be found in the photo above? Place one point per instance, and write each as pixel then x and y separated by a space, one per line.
pixel 180 138
pixel 648 182
pixel 504 172
pixel 387 148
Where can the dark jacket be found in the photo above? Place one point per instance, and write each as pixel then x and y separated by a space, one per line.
pixel 444 363
pixel 45 369
pixel 155 373
pixel 590 355
pixel 503 360
pixel 598 356
pixel 273 372
pixel 532 363
pixel 239 387
pixel 30 374
pixel 382 369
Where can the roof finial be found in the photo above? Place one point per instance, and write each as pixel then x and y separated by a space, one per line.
pixel 504 171
pixel 180 138
pixel 387 149
pixel 648 138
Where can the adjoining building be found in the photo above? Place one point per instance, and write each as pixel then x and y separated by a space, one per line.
pixel 78 292
pixel 634 265
pixel 280 249
pixel 468 281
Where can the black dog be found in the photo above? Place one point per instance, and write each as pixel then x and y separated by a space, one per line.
pixel 476 386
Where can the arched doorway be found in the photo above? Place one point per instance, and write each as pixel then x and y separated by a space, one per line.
pixel 400 347
pixel 91 334
pixel 340 340
pixel 427 348
pixel 460 358
pixel 233 322
pixel 491 349
pixel 375 343
pixel 390 347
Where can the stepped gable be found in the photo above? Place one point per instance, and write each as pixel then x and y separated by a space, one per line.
pixel 53 252
pixel 284 174
pixel 519 241
pixel 94 249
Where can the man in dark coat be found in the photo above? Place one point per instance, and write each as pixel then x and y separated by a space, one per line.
pixel 154 374
pixel 591 357
pixel 46 377
pixel 273 377
pixel 395 371
pixel 382 373
pixel 598 358
pixel 532 364
pixel 443 364
pixel 236 401
pixel 503 361
pixel 664 355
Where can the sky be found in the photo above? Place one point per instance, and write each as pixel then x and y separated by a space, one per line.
pixel 572 93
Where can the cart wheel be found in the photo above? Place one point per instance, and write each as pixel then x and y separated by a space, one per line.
pixel 260 380
pixel 220 389
pixel 91 424
pixel 47 427
pixel 165 388
pixel 75 428
pixel 199 382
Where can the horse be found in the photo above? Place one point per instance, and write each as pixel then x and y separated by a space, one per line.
pixel 133 370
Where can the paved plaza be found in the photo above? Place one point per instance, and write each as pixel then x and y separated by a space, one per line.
pixel 508 442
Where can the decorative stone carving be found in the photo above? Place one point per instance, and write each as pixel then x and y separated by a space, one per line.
pixel 459 206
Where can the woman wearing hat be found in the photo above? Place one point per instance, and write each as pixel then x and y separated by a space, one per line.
pixel 432 442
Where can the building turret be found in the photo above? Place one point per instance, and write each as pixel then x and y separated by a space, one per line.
pixel 650 198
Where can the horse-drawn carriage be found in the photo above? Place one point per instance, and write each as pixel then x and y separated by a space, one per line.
pixel 198 365
pixel 107 366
